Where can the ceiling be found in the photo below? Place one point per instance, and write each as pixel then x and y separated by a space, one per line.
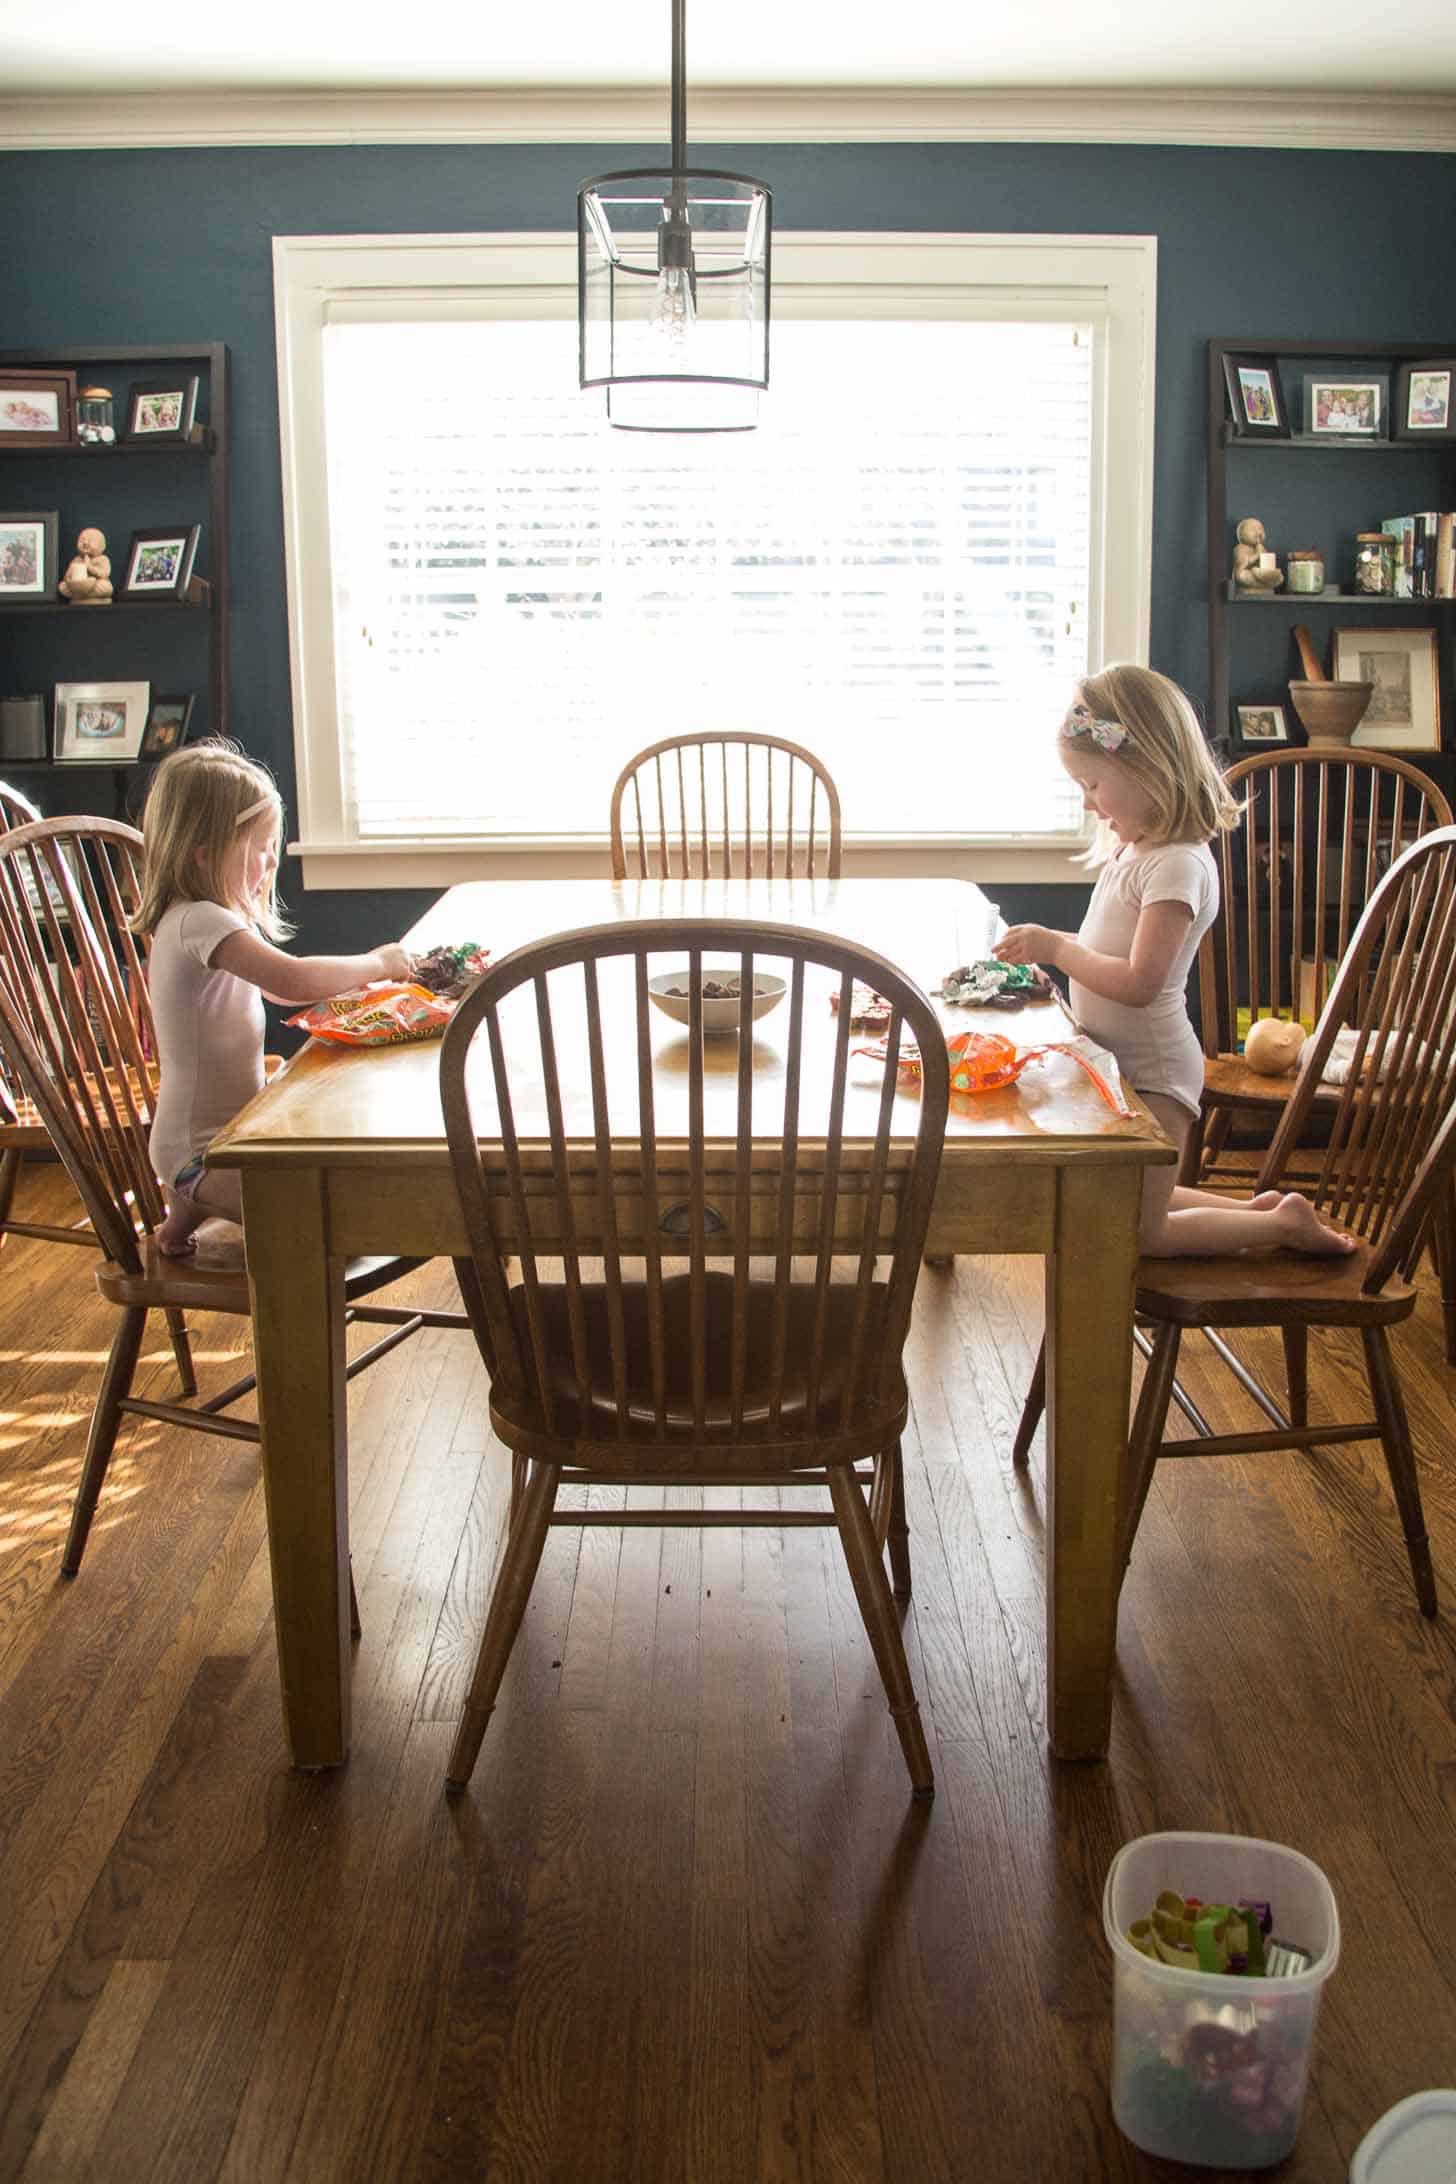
pixel 337 46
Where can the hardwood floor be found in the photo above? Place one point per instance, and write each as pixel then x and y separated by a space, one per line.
pixel 687 1923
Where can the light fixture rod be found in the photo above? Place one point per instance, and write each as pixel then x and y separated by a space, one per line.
pixel 679 88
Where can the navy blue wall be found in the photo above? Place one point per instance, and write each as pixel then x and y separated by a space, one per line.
pixel 175 246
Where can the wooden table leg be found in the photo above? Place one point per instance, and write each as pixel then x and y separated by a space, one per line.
pixel 1089 1289
pixel 298 1346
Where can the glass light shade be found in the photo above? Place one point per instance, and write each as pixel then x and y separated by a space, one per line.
pixel 673 297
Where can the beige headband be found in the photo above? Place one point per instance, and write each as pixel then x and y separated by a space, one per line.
pixel 252 811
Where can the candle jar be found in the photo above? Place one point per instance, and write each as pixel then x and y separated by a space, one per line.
pixel 1375 564
pixel 95 426
pixel 1306 569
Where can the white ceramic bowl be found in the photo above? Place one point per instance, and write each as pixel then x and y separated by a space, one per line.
pixel 718 1015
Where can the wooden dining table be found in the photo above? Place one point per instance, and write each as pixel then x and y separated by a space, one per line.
pixel 343 1154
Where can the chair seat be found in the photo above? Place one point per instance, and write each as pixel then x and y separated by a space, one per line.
pixel 519 1421
pixel 165 1281
pixel 1229 1082
pixel 1269 1289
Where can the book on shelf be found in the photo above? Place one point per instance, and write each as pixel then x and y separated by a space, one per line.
pixel 1425 566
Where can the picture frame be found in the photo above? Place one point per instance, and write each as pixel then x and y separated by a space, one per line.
pixel 29 544
pixel 1345 405
pixel 159 562
pixel 1260 726
pixel 168 720
pixel 1256 397
pixel 100 723
pixel 1404 665
pixel 162 409
pixel 37 408
pixel 1425 405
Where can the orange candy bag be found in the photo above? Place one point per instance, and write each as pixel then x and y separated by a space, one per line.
pixel 384 1014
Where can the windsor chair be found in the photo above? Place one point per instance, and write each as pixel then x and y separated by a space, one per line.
pixel 716 1347
pixel 740 805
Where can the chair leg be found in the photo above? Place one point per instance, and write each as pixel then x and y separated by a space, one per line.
pixel 1215 1136
pixel 1190 1166
pixel 872 1590
pixel 899 1533
pixel 9 1177
pixel 1146 1438
pixel 1296 1361
pixel 115 1387
pixel 1031 1409
pixel 181 1349
pixel 519 1563
pixel 520 1469
pixel 1400 1461
pixel 356 1628
pixel 1443 1251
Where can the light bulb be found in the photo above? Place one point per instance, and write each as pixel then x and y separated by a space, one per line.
pixel 675 307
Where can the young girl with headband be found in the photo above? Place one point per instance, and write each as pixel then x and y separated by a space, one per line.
pixel 212 829
pixel 1132 744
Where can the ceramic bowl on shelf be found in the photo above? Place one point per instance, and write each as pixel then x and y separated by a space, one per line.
pixel 1330 712
pixel 722 999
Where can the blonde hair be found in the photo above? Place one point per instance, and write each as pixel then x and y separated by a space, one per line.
pixel 1166 752
pixel 194 827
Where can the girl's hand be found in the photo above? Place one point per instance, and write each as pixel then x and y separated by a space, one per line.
pixel 1028 944
pixel 394 961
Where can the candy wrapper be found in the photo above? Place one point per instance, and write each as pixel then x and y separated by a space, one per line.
pixel 982 1061
pixel 384 1014
pixel 389 1013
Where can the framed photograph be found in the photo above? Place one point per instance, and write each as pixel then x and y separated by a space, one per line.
pixel 1339 407
pixel 1405 712
pixel 159 563
pixel 167 725
pixel 37 407
pixel 100 724
pixel 1423 407
pixel 28 545
pixel 162 409
pixel 1259 725
pixel 1256 398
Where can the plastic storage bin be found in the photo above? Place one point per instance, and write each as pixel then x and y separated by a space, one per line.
pixel 1207 2068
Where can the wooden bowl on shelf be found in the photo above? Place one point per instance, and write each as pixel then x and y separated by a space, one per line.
pixel 1330 712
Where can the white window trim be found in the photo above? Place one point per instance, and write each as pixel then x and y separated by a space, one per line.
pixel 321 279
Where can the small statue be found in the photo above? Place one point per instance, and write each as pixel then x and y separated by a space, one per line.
pixel 1254 568
pixel 87 580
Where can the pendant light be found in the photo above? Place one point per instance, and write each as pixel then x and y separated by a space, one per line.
pixel 673 287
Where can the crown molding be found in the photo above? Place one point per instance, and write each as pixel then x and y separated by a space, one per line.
pixel 1300 120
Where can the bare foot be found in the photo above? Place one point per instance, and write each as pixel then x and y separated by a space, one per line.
pixel 219 1246
pixel 174 1237
pixel 1301 1229
pixel 1266 1201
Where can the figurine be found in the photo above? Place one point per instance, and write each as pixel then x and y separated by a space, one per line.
pixel 87 580
pixel 1271 1046
pixel 1254 568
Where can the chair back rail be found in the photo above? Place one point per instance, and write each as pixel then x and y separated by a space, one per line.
pixel 751 1276
pixel 1392 1124
pixel 736 805
pixel 16 810
pixel 78 1027
pixel 1320 828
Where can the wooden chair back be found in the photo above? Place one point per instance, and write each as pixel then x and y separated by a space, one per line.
pixel 739 805
pixel 76 1026
pixel 16 810
pixel 1392 1124
pixel 574 1057
pixel 1320 827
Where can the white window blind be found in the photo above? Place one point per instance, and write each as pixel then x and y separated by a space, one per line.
pixel 893 569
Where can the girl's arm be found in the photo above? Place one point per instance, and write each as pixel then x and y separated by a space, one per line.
pixel 1132 980
pixel 297 979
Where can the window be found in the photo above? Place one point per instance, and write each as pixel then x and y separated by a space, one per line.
pixel 495 600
